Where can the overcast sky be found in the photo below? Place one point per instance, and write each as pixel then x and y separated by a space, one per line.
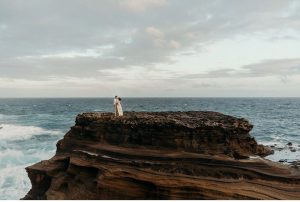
pixel 99 48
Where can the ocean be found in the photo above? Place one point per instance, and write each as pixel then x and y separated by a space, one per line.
pixel 30 128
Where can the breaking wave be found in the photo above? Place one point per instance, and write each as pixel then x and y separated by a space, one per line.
pixel 18 132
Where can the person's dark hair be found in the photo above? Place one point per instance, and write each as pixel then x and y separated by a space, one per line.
pixel 119 98
pixel 116 96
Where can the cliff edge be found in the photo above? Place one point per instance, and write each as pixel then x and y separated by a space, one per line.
pixel 161 155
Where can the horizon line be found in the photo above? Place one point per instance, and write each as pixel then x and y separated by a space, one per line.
pixel 150 97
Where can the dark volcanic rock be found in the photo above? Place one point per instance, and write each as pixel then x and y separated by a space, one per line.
pixel 163 155
pixel 296 163
pixel 283 160
pixel 201 132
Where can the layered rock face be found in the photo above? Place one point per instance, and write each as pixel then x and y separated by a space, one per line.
pixel 163 155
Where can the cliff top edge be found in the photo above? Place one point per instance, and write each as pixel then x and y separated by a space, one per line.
pixel 190 119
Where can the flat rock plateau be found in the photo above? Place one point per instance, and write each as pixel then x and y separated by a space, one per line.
pixel 161 155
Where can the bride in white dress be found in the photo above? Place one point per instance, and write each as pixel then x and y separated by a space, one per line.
pixel 119 107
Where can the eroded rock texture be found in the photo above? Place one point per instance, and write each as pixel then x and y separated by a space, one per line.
pixel 163 155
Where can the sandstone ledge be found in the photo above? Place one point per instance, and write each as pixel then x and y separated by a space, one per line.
pixel 161 155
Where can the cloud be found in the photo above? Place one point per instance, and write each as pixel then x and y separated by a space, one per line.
pixel 93 39
pixel 174 44
pixel 156 33
pixel 279 67
pixel 141 5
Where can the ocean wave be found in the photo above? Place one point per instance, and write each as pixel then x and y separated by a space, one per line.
pixel 18 132
pixel 10 153
pixel 14 182
pixel 11 116
pixel 13 157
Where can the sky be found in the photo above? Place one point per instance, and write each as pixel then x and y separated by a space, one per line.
pixel 150 48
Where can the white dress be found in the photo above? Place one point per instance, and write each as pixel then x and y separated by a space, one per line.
pixel 115 106
pixel 119 108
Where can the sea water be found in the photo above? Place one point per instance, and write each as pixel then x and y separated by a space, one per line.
pixel 30 128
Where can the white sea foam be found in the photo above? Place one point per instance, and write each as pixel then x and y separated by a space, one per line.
pixel 277 144
pixel 98 110
pixel 18 132
pixel 14 182
pixel 10 153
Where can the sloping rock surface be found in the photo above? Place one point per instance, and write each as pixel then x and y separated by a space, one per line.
pixel 161 155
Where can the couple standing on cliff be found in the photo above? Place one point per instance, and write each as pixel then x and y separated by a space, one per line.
pixel 118 106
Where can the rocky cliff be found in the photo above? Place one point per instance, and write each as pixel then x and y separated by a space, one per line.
pixel 163 155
